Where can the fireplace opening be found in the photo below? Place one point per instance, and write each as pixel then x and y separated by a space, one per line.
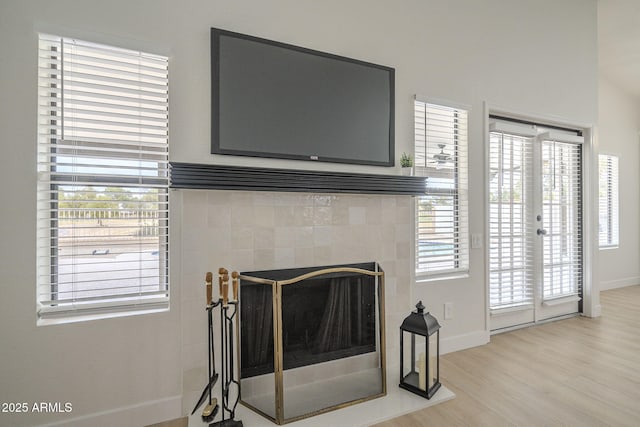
pixel 325 318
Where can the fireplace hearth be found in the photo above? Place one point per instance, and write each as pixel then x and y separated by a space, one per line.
pixel 311 339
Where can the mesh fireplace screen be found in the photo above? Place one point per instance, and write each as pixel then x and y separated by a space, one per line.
pixel 311 339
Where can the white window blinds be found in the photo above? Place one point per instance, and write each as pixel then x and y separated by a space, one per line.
pixel 535 215
pixel 562 217
pixel 102 178
pixel 510 219
pixel 608 235
pixel 442 235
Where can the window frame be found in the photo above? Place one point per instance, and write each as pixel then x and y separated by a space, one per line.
pixel 458 193
pixel 53 180
pixel 611 184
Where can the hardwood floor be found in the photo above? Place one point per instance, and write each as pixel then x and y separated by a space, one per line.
pixel 574 372
pixel 179 422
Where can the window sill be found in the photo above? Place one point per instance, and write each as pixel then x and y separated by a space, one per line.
pixel 438 278
pixel 608 247
pixel 511 309
pixel 64 318
pixel 561 300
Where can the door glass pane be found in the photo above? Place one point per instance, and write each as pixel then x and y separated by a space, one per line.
pixel 562 218
pixel 510 210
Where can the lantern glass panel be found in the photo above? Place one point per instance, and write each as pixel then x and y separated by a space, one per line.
pixel 413 372
pixel 432 374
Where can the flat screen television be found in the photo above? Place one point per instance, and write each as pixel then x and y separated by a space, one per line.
pixel 271 99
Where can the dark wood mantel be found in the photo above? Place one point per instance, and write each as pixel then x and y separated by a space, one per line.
pixel 222 177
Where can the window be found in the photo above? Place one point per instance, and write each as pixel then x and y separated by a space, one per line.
pixel 442 242
pixel 102 178
pixel 608 235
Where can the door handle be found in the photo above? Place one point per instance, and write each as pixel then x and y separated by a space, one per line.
pixel 541 232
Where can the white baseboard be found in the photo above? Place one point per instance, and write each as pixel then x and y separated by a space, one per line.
pixel 620 283
pixel 142 414
pixel 464 341
pixel 597 311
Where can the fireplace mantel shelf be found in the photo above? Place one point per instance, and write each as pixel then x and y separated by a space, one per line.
pixel 222 177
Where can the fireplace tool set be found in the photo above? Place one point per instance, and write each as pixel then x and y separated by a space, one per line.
pixel 228 311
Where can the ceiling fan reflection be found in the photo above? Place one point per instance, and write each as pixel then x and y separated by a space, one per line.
pixel 441 159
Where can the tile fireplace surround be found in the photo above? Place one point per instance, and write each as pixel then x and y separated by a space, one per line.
pixel 256 230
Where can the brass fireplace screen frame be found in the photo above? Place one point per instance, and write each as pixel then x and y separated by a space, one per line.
pixel 277 336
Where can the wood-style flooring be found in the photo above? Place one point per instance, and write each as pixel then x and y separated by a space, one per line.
pixel 179 422
pixel 573 372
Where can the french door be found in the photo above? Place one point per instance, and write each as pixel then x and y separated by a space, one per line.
pixel 535 224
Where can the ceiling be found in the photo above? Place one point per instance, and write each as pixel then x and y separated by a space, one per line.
pixel 619 43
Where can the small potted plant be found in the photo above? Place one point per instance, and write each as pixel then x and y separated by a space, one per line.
pixel 406 162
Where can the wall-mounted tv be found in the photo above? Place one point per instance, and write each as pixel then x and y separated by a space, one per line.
pixel 271 99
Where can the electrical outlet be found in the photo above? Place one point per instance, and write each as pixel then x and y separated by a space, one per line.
pixel 448 310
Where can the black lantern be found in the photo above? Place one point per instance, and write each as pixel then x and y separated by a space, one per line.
pixel 420 364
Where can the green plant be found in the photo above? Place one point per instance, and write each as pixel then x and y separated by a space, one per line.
pixel 406 161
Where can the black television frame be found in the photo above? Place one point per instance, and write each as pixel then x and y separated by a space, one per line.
pixel 215 103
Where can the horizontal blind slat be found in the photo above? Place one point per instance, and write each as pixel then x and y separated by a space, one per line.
pixel 92 105
pixel 150 102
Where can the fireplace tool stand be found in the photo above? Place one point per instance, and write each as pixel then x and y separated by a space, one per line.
pixel 228 311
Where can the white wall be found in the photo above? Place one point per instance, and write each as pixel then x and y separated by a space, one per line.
pixel 535 56
pixel 618 127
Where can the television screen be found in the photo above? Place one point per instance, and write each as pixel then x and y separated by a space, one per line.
pixel 271 99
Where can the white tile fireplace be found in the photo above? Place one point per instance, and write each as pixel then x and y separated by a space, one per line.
pixel 258 230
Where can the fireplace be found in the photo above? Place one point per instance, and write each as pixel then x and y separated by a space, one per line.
pixel 323 349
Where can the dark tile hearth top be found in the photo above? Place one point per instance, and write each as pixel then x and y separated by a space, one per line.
pixel 222 177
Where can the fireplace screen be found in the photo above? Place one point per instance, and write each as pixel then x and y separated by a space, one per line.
pixel 323 349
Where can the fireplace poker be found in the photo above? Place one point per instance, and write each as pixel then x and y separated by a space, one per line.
pixel 232 380
pixel 224 389
pixel 225 308
pixel 221 272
